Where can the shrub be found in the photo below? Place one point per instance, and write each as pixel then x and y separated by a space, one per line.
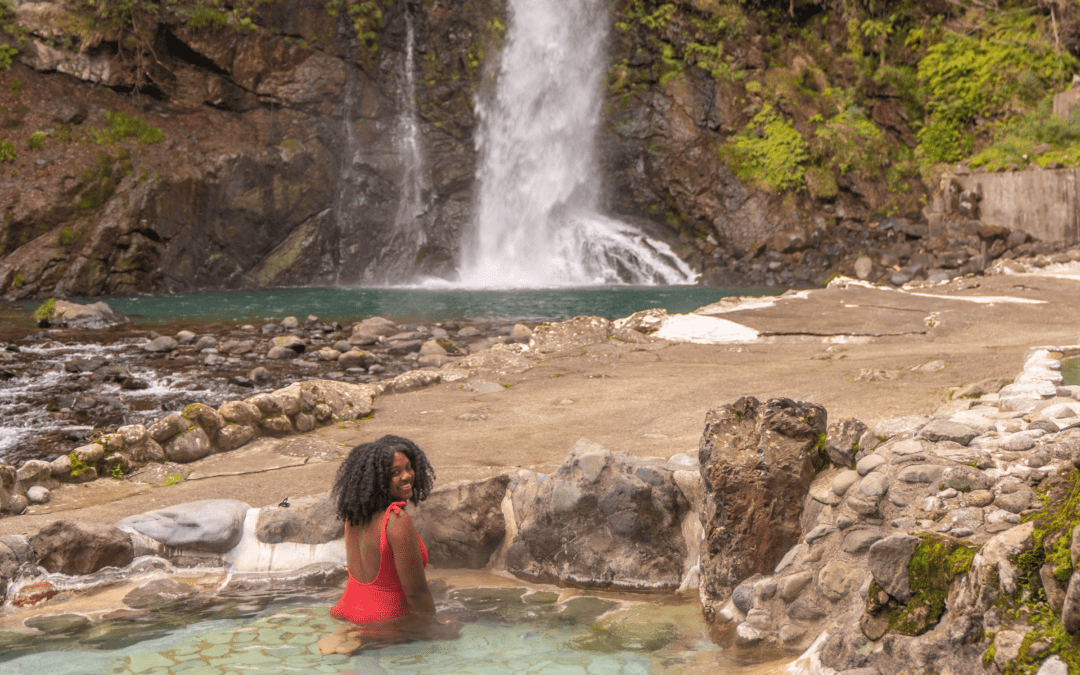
pixel 36 140
pixel 45 312
pixel 123 126
pixel 770 153
pixel 7 151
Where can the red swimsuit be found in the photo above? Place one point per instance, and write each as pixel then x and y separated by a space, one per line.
pixel 383 599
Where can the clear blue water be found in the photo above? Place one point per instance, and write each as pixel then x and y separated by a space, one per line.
pixel 414 304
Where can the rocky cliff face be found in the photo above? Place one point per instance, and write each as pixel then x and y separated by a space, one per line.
pixel 238 155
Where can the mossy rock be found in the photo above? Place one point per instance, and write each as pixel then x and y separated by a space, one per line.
pixel 934 564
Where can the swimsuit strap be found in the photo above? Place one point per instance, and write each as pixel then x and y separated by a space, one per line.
pixel 396 508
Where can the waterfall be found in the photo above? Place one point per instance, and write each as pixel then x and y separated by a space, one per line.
pixel 400 251
pixel 538 222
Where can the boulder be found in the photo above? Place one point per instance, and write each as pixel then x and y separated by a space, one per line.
pixel 95 316
pixel 240 412
pixel 757 462
pixel 63 546
pixel 842 441
pixel 303 523
pixel 213 525
pixel 603 519
pixel 463 524
pixel 188 446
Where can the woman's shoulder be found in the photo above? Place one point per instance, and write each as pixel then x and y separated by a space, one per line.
pixel 398 520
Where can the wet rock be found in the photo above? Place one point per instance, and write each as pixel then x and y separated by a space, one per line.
pixel 354 358
pixel 205 342
pixel 237 347
pixel 303 523
pixel 84 365
pixel 213 525
pixel 156 593
pixel 463 524
pixel 59 624
pixel 63 546
pixel 161 344
pixel 624 511
pixel 757 461
pixel 278 353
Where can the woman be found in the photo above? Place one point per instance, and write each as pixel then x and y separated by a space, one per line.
pixel 387 593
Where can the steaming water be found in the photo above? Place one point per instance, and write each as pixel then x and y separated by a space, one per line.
pixel 538 222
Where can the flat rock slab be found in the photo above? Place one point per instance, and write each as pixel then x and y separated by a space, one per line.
pixel 208 525
pixel 260 455
pixel 312 448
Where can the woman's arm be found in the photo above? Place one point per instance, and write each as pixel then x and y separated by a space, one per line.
pixel 409 561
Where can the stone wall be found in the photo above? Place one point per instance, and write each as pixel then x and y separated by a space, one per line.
pixel 1041 202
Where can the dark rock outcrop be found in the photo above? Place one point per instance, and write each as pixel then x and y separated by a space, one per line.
pixel 757 461
pixel 63 546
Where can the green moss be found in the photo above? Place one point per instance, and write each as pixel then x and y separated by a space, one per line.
pixel 173 479
pixel 934 564
pixel 122 125
pixel 768 153
pixel 7 151
pixel 36 140
pixel 77 465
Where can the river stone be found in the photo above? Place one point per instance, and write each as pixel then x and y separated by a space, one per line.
pixel 837 578
pixel 1053 666
pixel 947 430
pixel 1070 608
pixel 158 592
pixel 278 353
pixel 895 426
pixel 302 523
pixel 803 609
pixel 290 342
pixel 240 412
pixel 276 424
pixel 1015 502
pixel 213 525
pixel 354 359
pixel 38 495
pixel 167 427
pixel 872 486
pixel 1018 442
pixel 977 498
pixel 268 404
pixel 188 447
pixel 205 416
pixel 888 561
pixel 790 587
pixel 70 548
pixel 33 471
pixel 920 473
pixel 869 463
pixel 205 342
pixel 237 347
pixel 626 523
pixel 346 401
pixel 859 541
pixel 965 479
pixel 161 344
pixel 757 463
pixel 232 436
pixel 743 595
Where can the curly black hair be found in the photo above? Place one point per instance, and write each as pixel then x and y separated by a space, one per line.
pixel 361 487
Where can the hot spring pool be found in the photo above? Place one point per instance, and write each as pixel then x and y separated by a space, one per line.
pixel 507 629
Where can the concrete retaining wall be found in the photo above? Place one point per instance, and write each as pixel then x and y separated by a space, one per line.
pixel 1042 202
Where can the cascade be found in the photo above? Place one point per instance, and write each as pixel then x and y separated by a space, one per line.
pixel 538 222
pixel 396 260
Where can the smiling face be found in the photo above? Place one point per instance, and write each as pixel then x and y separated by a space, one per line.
pixel 401 477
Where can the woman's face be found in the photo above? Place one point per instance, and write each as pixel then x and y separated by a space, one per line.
pixel 401 477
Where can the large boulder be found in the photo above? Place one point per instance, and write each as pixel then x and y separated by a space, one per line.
pixel 213 525
pixel 63 546
pixel 463 524
pixel 313 522
pixel 757 462
pixel 603 519
pixel 95 316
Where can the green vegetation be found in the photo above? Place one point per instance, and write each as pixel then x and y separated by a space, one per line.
pixel 123 126
pixel 77 465
pixel 46 311
pixel 117 471
pixel 1051 539
pixel 7 151
pixel 173 479
pixel 36 140
pixel 770 153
